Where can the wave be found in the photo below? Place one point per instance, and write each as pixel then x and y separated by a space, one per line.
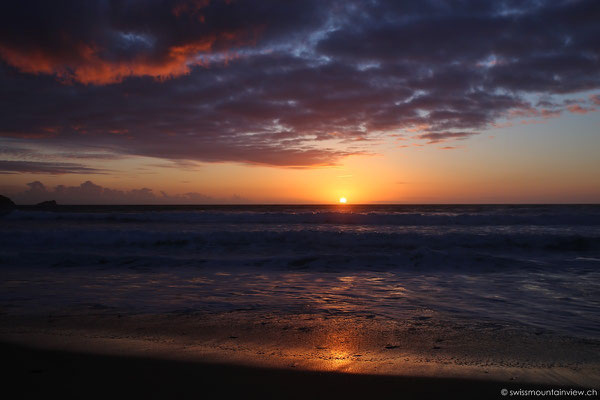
pixel 326 217
pixel 298 250
pixel 307 240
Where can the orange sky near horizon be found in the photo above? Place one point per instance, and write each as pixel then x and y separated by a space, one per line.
pixel 521 164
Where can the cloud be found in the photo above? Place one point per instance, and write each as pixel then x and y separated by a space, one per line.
pixel 287 84
pixel 91 193
pixel 23 153
pixel 577 109
pixel 438 137
pixel 103 42
pixel 52 168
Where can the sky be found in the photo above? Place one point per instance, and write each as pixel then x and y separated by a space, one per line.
pixel 300 101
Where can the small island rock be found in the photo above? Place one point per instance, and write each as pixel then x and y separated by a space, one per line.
pixel 47 204
pixel 6 205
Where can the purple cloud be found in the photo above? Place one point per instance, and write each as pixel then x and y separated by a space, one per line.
pixel 91 193
pixel 52 168
pixel 287 84
pixel 438 137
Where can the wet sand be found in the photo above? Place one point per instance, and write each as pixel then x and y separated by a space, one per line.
pixel 35 373
pixel 272 353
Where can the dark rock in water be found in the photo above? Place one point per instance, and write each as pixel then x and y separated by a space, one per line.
pixel 47 204
pixel 6 205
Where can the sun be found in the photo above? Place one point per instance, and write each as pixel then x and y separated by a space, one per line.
pixel 343 200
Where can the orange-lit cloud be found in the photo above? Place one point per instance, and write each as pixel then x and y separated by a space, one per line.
pixel 577 109
pixel 99 43
pixel 87 65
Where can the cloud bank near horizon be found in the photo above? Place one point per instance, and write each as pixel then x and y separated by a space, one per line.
pixel 89 193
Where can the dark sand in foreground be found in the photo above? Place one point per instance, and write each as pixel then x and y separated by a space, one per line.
pixel 35 373
pixel 284 356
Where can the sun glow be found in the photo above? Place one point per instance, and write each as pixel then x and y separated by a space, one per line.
pixel 343 200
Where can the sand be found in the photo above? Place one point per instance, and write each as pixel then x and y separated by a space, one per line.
pixel 38 373
pixel 365 351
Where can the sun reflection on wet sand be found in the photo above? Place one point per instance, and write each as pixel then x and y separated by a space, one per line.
pixel 333 343
pixel 335 350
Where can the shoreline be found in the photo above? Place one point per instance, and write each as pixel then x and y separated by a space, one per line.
pixel 354 346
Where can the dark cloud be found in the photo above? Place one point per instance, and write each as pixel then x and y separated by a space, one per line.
pixel 521 46
pixel 23 153
pixel 91 193
pixel 103 42
pixel 52 168
pixel 290 84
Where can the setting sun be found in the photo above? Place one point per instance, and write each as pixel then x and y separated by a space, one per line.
pixel 343 200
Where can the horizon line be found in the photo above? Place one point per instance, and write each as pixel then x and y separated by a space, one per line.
pixel 305 204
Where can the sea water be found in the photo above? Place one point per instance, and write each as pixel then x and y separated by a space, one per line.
pixel 522 265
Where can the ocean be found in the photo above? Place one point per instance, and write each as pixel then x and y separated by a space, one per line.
pixel 534 266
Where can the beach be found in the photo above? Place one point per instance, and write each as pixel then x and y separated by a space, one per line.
pixel 267 355
pixel 38 373
pixel 266 300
